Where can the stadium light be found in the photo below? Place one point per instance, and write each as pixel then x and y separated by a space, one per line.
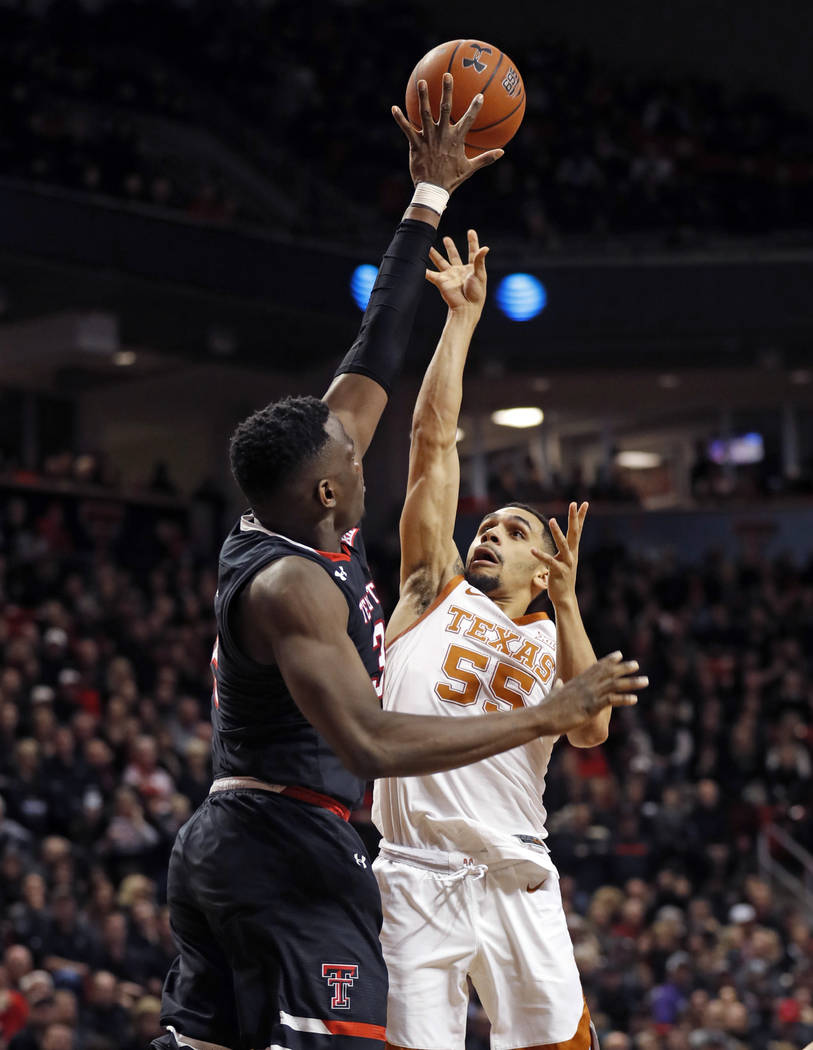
pixel 361 284
pixel 518 417
pixel 633 459
pixel 521 296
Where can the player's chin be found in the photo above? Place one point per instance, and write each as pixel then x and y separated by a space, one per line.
pixel 483 581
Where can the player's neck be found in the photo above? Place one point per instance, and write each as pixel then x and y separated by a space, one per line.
pixel 322 535
pixel 327 538
pixel 512 605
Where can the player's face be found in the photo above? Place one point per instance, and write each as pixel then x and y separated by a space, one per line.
pixel 346 474
pixel 499 559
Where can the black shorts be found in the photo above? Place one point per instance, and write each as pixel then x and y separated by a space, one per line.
pixel 277 914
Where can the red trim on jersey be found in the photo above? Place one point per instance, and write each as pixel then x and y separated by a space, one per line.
pixel 333 555
pixel 365 1031
pixel 349 537
pixel 447 590
pixel 315 799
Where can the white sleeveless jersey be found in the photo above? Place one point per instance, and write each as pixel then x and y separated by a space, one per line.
pixel 465 657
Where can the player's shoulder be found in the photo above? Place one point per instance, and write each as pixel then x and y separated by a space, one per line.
pixel 422 593
pixel 287 584
pixel 538 626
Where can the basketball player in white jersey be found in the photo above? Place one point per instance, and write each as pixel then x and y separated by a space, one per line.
pixel 468 886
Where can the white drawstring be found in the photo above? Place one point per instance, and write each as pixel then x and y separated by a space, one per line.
pixel 476 871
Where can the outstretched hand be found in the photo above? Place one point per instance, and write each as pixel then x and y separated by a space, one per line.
pixel 562 566
pixel 462 285
pixel 437 150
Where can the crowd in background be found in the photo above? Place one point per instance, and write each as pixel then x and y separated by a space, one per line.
pixel 681 941
pixel 602 151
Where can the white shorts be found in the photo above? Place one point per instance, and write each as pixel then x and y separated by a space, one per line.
pixel 504 927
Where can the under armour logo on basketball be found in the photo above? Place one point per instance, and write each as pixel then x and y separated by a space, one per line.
pixel 340 977
pixel 479 67
pixel 361 860
pixel 340 573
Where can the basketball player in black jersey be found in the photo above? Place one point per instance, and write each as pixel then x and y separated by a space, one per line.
pixel 271 893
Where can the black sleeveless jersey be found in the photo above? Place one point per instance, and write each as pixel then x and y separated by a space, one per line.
pixel 258 729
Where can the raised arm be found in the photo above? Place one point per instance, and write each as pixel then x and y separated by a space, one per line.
pixel 429 557
pixel 359 391
pixel 299 619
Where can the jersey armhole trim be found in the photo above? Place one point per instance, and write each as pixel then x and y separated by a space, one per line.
pixel 523 621
pixel 447 590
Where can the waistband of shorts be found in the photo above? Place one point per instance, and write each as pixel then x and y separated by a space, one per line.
pixel 526 848
pixel 431 859
pixel 303 794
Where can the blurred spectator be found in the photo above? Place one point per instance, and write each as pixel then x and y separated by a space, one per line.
pixel 69 949
pixel 14 1010
pixel 29 918
pixel 38 989
pixel 104 1014
pixel 13 836
pixel 146 1023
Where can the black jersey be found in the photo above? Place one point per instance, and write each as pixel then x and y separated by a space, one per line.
pixel 258 729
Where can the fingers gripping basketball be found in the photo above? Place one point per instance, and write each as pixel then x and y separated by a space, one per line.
pixel 477 68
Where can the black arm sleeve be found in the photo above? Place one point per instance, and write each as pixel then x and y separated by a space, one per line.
pixel 385 329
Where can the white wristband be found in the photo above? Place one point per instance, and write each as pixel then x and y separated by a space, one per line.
pixel 434 197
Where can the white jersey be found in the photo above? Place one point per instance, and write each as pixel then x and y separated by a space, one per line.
pixel 465 657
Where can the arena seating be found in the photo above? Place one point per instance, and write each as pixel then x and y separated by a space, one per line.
pixel 104 694
pixel 603 152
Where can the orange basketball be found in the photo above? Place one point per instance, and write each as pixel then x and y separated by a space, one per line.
pixel 476 67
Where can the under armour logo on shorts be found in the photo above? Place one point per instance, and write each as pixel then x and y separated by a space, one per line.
pixel 361 860
pixel 340 977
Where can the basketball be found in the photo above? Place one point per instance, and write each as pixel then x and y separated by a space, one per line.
pixel 476 67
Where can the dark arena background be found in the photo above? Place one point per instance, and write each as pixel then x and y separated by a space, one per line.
pixel 192 193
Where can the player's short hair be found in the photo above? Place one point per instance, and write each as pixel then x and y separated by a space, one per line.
pixel 268 447
pixel 547 535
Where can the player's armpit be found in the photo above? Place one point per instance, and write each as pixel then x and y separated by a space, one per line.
pixel 417 594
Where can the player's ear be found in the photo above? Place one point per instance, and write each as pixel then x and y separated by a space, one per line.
pixel 325 492
pixel 539 582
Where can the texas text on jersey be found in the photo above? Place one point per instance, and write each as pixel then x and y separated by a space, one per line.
pixel 258 729
pixel 465 657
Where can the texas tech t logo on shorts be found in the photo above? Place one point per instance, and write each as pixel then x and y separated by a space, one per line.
pixel 340 977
